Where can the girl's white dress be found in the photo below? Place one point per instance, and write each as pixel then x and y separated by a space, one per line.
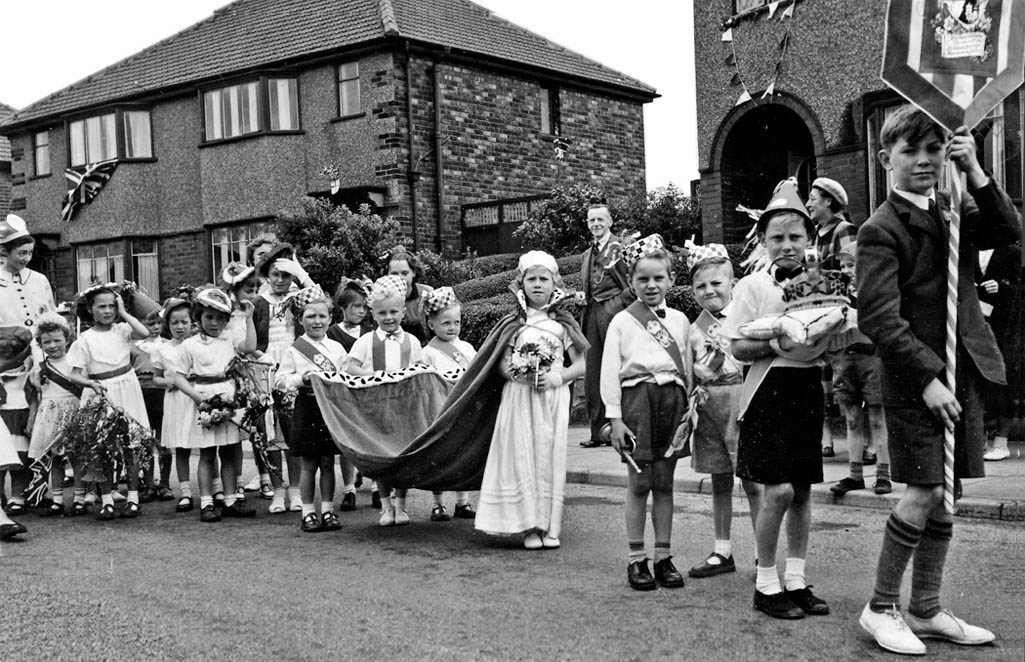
pixel 205 356
pixel 176 426
pixel 525 474
pixel 444 359
pixel 103 351
pixel 56 407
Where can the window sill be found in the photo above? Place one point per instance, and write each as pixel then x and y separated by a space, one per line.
pixel 250 136
pixel 120 161
pixel 344 118
pixel 43 176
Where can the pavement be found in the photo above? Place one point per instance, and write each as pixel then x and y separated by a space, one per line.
pixel 998 496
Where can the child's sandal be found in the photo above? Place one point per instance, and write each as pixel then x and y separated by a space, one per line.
pixel 54 510
pixel 329 522
pixel 311 523
pixel 184 505
pixel 78 508
pixel 14 508
pixel 131 511
pixel 106 513
pixel 219 500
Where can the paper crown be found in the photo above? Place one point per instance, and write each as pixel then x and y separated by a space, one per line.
pixel 642 248
pixel 440 299
pixel 386 287
pixel 214 298
pixel 13 228
pixel 308 295
pixel 697 254
pixel 532 259
pixel 785 198
pixel 236 273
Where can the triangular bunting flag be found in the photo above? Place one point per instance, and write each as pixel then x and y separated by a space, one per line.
pixel 744 98
pixel 735 80
pixel 730 60
pixel 770 90
pixel 728 35
pixel 773 6
pixel 789 11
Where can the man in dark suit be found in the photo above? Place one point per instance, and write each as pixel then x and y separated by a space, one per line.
pixel 606 292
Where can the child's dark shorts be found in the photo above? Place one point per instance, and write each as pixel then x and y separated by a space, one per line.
pixel 653 413
pixel 153 398
pixel 856 376
pixel 309 436
pixel 781 433
pixel 915 435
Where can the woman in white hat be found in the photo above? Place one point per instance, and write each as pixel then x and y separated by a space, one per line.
pixel 24 296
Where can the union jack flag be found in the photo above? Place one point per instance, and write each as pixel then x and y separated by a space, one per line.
pixel 85 185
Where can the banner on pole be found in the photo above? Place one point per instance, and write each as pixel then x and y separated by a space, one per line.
pixel 955 59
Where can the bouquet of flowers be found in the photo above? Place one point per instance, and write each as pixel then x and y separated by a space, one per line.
pixel 107 441
pixel 532 360
pixel 216 410
pixel 252 393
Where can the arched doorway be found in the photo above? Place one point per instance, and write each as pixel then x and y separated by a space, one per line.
pixel 766 144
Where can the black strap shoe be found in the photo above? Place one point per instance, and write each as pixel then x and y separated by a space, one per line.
pixel 640 577
pixel 808 602
pixel 667 575
pixel 777 605
pixel 592 443
pixel 708 569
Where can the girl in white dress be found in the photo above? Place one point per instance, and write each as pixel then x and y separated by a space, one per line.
pixel 58 402
pixel 443 315
pixel 201 374
pixel 176 426
pixel 101 362
pixel 525 474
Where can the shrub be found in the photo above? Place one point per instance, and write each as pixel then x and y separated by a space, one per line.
pixel 496 284
pixel 488 265
pixel 439 270
pixel 334 242
pixel 664 210
pixel 559 224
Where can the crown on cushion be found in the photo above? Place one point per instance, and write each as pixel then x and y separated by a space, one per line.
pixel 642 248
pixel 814 288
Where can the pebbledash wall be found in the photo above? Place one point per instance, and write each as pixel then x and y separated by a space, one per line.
pixel 5 163
pixel 493 149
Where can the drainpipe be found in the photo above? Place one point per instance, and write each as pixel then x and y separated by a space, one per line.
pixel 412 176
pixel 439 160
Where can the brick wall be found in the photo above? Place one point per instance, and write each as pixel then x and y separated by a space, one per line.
pixel 5 164
pixel 849 167
pixel 495 148
pixel 184 259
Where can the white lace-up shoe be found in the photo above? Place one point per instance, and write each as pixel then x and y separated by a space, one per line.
pixel 890 631
pixel 948 627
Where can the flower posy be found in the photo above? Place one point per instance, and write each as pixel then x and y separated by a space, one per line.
pixel 532 360
pixel 215 410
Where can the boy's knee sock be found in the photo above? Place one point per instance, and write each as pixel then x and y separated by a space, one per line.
pixel 793 574
pixel 661 551
pixel 79 495
pixel 857 471
pixel 899 542
pixel 57 495
pixel 927 568
pixel 882 471
pixel 637 550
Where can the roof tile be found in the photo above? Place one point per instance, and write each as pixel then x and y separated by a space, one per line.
pixel 252 33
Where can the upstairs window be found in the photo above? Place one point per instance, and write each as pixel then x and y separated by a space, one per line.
pixel 348 90
pixel 266 105
pixel 122 134
pixel 551 114
pixel 41 153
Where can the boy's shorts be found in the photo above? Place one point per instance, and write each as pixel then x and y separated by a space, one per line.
pixel 653 413
pixel 856 377
pixel 715 436
pixel 781 434
pixel 915 435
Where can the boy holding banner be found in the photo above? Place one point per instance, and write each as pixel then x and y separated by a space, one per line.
pixel 901 280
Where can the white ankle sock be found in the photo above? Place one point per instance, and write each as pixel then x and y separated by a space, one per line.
pixel 723 548
pixel 327 507
pixel 400 503
pixel 386 503
pixel 767 581
pixel 185 489
pixel 793 575
pixel 133 496
pixel 205 501
pixel 107 499
pixel 309 509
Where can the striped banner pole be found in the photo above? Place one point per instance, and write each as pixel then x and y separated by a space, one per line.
pixel 955 186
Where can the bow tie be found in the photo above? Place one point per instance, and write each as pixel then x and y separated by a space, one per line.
pixel 661 313
pixel 392 336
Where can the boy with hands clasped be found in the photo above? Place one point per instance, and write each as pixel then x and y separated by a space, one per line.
pixel 902 264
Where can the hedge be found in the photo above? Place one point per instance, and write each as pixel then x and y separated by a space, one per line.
pixel 495 284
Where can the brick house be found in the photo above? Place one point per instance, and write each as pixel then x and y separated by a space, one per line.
pixel 824 117
pixel 437 112
pixel 5 163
